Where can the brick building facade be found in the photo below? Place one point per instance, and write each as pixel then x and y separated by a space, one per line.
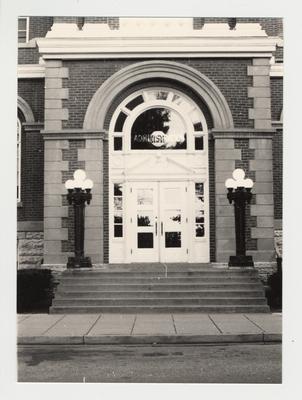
pixel 84 85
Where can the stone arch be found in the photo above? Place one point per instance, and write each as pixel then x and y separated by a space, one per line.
pixel 199 83
pixel 26 110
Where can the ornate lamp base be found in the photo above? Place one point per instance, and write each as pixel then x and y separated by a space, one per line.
pixel 82 262
pixel 241 261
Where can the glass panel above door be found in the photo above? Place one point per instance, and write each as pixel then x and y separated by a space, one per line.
pixel 158 128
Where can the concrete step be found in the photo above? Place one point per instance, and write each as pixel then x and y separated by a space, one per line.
pixel 158 286
pixel 161 309
pixel 83 302
pixel 163 273
pixel 152 280
pixel 160 294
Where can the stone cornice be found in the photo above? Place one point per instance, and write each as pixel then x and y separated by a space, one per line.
pixel 74 134
pixel 244 133
pixel 138 39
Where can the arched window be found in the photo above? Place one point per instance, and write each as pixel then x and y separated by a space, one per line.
pixel 158 119
pixel 19 127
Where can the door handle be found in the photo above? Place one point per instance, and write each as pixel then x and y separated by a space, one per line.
pixel 161 228
pixel 155 228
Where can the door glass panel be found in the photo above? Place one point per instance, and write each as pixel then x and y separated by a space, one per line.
pixel 118 203
pixel 172 196
pixel 199 230
pixel 145 218
pixel 118 210
pixel 172 219
pixel 173 239
pixel 118 230
pixel 118 217
pixel 144 196
pixel 145 240
pixel 199 210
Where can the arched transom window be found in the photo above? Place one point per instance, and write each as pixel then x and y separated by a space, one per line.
pixel 158 119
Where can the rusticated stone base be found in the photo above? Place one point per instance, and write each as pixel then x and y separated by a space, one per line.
pixel 265 270
pixel 278 242
pixel 30 249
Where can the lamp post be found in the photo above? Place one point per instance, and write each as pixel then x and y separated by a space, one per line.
pixel 239 192
pixel 79 192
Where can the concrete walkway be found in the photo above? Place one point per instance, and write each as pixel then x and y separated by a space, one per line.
pixel 148 328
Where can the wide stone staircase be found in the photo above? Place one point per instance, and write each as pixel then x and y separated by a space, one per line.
pixel 148 288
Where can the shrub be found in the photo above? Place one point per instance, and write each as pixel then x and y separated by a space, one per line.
pixel 274 289
pixel 35 288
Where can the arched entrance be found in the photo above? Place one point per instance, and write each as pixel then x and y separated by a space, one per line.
pixel 133 168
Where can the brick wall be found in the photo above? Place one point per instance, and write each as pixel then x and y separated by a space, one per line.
pixel 229 75
pixel 32 160
pixel 277 98
pixel 28 55
pixel 39 26
pixel 212 200
pixel 277 172
pixel 32 91
pixel 272 26
pixel 277 107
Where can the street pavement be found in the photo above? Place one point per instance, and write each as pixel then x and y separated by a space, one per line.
pixel 141 329
pixel 233 363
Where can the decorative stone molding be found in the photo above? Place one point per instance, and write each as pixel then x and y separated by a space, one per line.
pixel 277 70
pixel 261 93
pixel 242 133
pixel 74 134
pixel 28 71
pixel 26 110
pixel 199 83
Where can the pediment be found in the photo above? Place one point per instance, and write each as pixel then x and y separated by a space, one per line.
pixel 159 165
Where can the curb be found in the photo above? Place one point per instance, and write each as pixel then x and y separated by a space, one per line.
pixel 149 340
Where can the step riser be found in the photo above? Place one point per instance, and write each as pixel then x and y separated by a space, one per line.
pixel 152 294
pixel 120 275
pixel 200 309
pixel 121 281
pixel 156 302
pixel 159 287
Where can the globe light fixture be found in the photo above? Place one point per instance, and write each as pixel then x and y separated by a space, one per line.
pixel 239 192
pixel 79 193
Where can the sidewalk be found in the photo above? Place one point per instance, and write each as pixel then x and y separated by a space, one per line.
pixel 148 328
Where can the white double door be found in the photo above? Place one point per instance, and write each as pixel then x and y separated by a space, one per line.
pixel 158 230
